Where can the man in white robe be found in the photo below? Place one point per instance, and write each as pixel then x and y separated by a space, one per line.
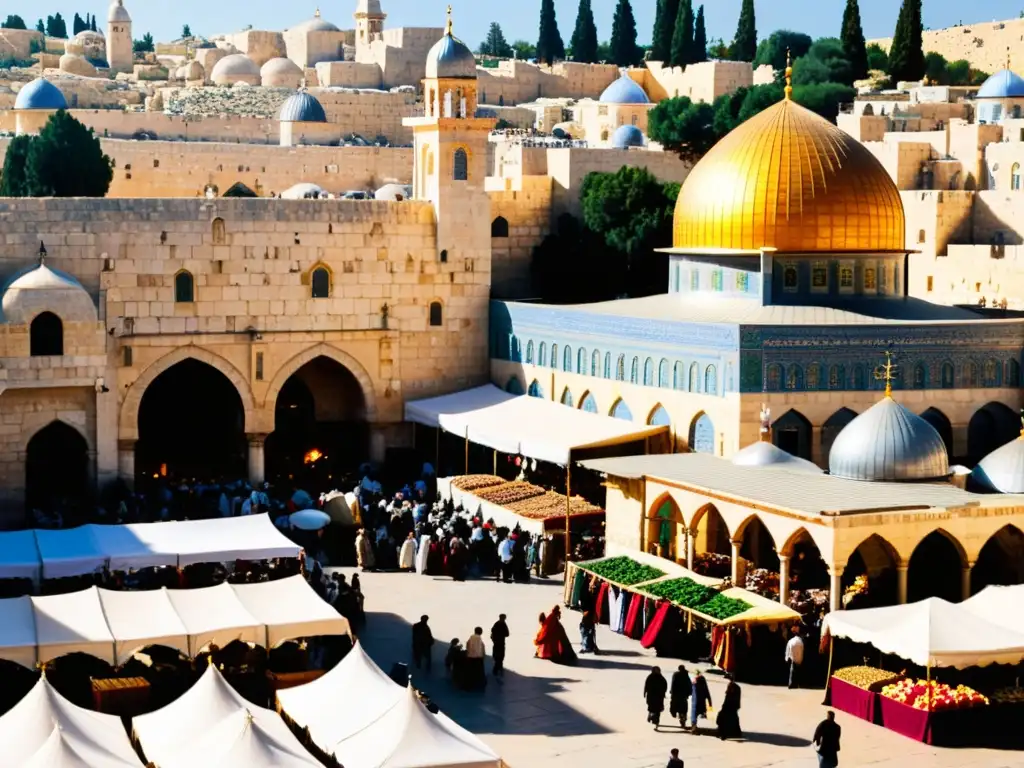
pixel 407 554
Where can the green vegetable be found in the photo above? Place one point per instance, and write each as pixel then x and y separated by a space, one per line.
pixel 623 570
pixel 721 607
pixel 684 591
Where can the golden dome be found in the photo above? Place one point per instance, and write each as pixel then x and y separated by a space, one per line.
pixel 790 180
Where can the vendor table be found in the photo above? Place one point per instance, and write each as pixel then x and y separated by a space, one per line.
pixel 945 728
pixel 124 696
pixel 854 700
pixel 279 681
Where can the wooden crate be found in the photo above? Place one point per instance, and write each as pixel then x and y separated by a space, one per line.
pixel 124 696
pixel 279 681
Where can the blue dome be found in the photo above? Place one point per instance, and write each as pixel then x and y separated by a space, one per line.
pixel 450 57
pixel 40 94
pixel 302 108
pixel 624 91
pixel 627 136
pixel 1004 84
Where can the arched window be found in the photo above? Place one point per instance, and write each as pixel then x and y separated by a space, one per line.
pixel 219 236
pixel 554 356
pixel 837 377
pixel 514 387
pixel 773 377
pixel 567 359
pixel 795 378
pixel 992 373
pixel 678 376
pixel 1013 374
pixel 947 376
pixel 588 403
pixel 46 335
pixel 436 314
pixel 920 376
pixel 1015 177
pixel 184 288
pixel 813 376
pixel 607 365
pixel 711 380
pixel 542 354
pixel 663 373
pixel 595 364
pixel 921 236
pixel 460 165
pixel 320 284
pixel 499 227
pixel 694 377
pixel 621 411
pixel 648 372
pixel 659 417
pixel 620 368
pixel 529 352
pixel 634 371
pixel 535 389
pixel 860 380
pixel 581 361
pixel 970 377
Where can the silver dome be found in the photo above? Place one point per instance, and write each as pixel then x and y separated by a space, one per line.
pixel 1003 469
pixel 765 454
pixel 889 442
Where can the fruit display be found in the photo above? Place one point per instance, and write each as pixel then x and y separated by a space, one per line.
pixel 721 607
pixel 509 493
pixel 1012 695
pixel 914 693
pixel 550 505
pixel 685 592
pixel 763 582
pixel 868 678
pixel 713 564
pixel 624 570
pixel 470 483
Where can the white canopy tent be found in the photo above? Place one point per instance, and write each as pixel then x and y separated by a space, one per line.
pixel 136 545
pixel 213 726
pixel 18 631
pixel 138 619
pixel 288 608
pixel 45 729
pixel 529 426
pixel 72 623
pixel 19 556
pixel 69 552
pixel 215 615
pixel 222 539
pixel 1000 605
pixel 931 633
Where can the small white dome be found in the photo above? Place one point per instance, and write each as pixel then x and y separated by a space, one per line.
pixel 38 289
pixel 1003 469
pixel 302 190
pixel 236 68
pixel 118 13
pixel 281 73
pixel 193 71
pixel 765 454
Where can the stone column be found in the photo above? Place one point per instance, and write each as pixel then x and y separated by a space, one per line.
pixel 257 464
pixel 965 581
pixel 784 579
pixel 691 548
pixel 835 593
pixel 901 584
pixel 735 574
pixel 126 461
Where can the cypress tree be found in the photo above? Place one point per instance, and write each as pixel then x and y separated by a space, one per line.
pixel 700 38
pixel 664 27
pixel 40 27
pixel 584 37
pixel 93 27
pixel 625 52
pixel 852 37
pixel 915 60
pixel 77 25
pixel 549 43
pixel 900 49
pixel 682 40
pixel 744 45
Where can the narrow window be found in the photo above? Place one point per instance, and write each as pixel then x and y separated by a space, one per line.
pixel 320 283
pixel 46 335
pixel 184 288
pixel 259 366
pixel 499 227
pixel 460 165
pixel 435 314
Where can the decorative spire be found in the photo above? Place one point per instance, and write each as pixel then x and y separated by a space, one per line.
pixel 448 28
pixel 766 423
pixel 887 373
pixel 789 77
pixel 317 14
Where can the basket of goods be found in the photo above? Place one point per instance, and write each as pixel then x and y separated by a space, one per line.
pixel 1012 695
pixel 868 678
pixel 915 693
pixel 470 483
pixel 721 607
pixel 509 493
pixel 713 564
pixel 763 582
pixel 552 504
pixel 624 570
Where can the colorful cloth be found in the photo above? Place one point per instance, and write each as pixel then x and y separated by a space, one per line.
pixel 601 606
pixel 651 635
pixel 633 627
pixel 615 597
pixel 552 642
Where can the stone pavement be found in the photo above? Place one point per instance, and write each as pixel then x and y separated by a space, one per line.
pixel 593 715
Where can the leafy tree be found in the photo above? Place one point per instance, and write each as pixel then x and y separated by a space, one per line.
pixel 664 26
pixel 145 45
pixel 55 26
pixel 700 37
pixel 495 44
pixel 13 21
pixel 186 32
pixel 772 50
pixel 12 177
pixel 682 38
pixel 877 58
pixel 916 56
pixel 852 36
pixel 78 25
pixel 959 72
pixel 824 98
pixel 744 45
pixel 683 127
pixel 40 27
pixel 550 47
pixel 717 49
pixel 66 160
pixel 625 52
pixel 825 62
pixel 936 68
pixel 524 50
pixel 584 36
pixel 604 51
pixel 906 54
pixel 978 77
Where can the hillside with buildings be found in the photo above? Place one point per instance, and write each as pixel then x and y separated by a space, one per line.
pixel 985 44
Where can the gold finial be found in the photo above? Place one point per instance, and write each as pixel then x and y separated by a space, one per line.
pixel 789 76
pixel 448 28
pixel 317 14
pixel 887 373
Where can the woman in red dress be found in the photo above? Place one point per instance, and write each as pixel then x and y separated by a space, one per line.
pixel 552 642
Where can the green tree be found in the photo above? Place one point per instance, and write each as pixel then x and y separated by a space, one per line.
pixel 744 45
pixel 78 25
pixel 682 39
pixel 495 44
pixel 66 160
pixel 906 54
pixel 664 26
pixel 959 72
pixel 550 47
pixel 916 59
pixel 12 177
pixel 625 52
pixel 56 26
pixel 878 59
pixel 13 21
pixel 717 49
pixel 186 32
pixel 824 98
pixel 92 24
pixel 584 36
pixel 700 37
pixel 145 45
pixel 824 62
pixel 604 52
pixel 524 50
pixel 852 37
pixel 936 68
pixel 40 27
pixel 683 127
pixel 773 49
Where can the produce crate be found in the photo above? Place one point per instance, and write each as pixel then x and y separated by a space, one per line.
pixel 279 681
pixel 123 696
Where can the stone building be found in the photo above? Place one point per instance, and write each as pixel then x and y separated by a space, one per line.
pixel 623 103
pixel 120 54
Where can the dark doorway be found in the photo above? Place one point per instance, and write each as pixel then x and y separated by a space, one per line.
pixel 1001 560
pixel 935 570
pixel 46 335
pixel 191 425
pixel 938 419
pixel 56 469
pixel 792 433
pixel 320 427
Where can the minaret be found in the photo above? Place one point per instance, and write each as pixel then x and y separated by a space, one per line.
pixel 120 57
pixel 369 26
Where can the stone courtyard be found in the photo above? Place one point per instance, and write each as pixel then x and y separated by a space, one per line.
pixel 593 714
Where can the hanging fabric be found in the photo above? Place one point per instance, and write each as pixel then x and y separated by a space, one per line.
pixel 601 605
pixel 651 635
pixel 634 627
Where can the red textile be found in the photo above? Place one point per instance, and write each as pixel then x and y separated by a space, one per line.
pixel 906 721
pixel 651 635
pixel 552 642
pixel 601 606
pixel 853 700
pixel 634 627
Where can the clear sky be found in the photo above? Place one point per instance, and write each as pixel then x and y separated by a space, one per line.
pixel 518 19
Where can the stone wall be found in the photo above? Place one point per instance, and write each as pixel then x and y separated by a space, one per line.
pixel 983 44
pixel 17 44
pixel 79 92
pixel 517 82
pixel 348 74
pixel 704 81
pixel 527 211
pixel 258 45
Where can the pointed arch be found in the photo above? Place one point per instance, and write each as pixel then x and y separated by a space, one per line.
pixel 514 386
pixel 663 373
pixel 535 389
pixel 757 543
pixel 634 371
pixel 711 533
pixel 659 417
pixel 793 433
pixel 588 403
pixel 620 410
pixel 665 527
pixel 711 380
pixel 993 425
pixel 648 372
pixel 567 397
pixel 1000 559
pixel 702 434
pixel 694 385
pixel 935 567
pixel 942 425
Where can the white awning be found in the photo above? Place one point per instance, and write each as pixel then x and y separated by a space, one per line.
pixel 290 609
pixel 215 615
pixel 69 552
pixel 999 605
pixel 72 623
pixel 136 545
pixel 529 426
pixel 138 619
pixel 931 632
pixel 19 556
pixel 18 631
pixel 223 539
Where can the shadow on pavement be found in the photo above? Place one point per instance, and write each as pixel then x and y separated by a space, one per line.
pixel 777 739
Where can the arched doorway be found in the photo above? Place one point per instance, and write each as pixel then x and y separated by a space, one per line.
pixel 758 547
pixel 56 469
pixel 792 433
pixel 807 568
pixel 938 419
pixel 993 425
pixel 1001 560
pixel 664 529
pixel 830 431
pixel 702 434
pixel 875 559
pixel 935 569
pixel 320 426
pixel 191 425
pixel 711 542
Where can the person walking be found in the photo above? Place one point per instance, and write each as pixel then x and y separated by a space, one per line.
pixel 795 657
pixel 505 553
pixel 422 641
pixel 729 715
pixel 679 695
pixel 700 701
pixel 674 761
pixel 826 741
pixel 588 634
pixel 476 675
pixel 499 634
pixel 655 688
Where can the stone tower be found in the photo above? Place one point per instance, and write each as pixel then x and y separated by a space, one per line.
pixel 369 25
pixel 119 38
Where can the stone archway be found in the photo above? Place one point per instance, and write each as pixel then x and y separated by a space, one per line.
pixel 830 431
pixel 333 353
pixel 664 528
pixel 57 472
pixel 935 568
pixel 711 543
pixel 792 433
pixel 877 561
pixel 992 426
pixel 757 544
pixel 1001 560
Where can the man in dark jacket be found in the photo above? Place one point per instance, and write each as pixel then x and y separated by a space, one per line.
pixel 499 634
pixel 826 741
pixel 422 640
pixel 674 761
pixel 655 688
pixel 679 695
